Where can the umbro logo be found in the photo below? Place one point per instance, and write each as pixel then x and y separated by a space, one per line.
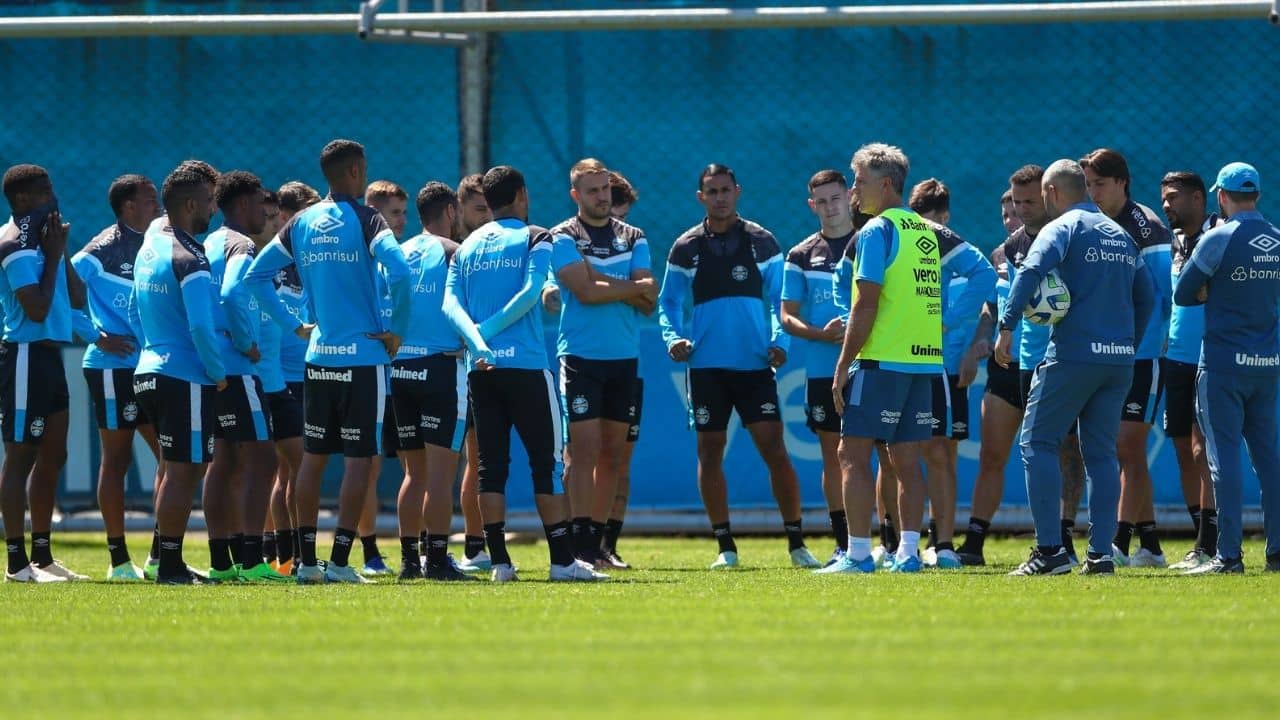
pixel 1110 229
pixel 926 245
pixel 326 224
pixel 1264 243
pixel 126 267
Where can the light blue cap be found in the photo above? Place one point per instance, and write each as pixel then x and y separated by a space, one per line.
pixel 1238 177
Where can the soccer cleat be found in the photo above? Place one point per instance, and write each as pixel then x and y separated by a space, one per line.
pixel 1039 563
pixel 125 572
pixel 610 560
pixel 1103 565
pixel 188 577
pixel 285 567
pixel 478 564
pixel 446 573
pixel 1144 558
pixel 374 567
pixel 947 560
pixel 802 558
pixel 909 564
pixel 32 574
pixel 576 571
pixel 725 560
pixel 57 569
pixel 879 553
pixel 309 574
pixel 846 565
pixel 1192 560
pixel 1219 566
pixel 1120 559
pixel 344 574
pixel 263 574
pixel 836 556
pixel 409 573
pixel 970 558
pixel 151 568
pixel 231 574
pixel 504 572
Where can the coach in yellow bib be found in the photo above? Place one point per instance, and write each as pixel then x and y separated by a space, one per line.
pixel 892 351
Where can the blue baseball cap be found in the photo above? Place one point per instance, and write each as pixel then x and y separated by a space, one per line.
pixel 1238 177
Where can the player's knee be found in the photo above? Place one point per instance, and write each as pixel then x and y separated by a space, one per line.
pixel 491 482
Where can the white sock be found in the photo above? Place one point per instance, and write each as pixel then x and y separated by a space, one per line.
pixel 909 545
pixel 859 548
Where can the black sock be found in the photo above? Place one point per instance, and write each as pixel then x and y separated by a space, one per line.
pixel 1148 539
pixel 41 550
pixel 1069 535
pixel 795 534
pixel 948 545
pixel 1207 539
pixel 889 534
pixel 495 536
pixel 1124 534
pixel 284 545
pixel 369 543
pixel 170 556
pixel 612 530
pixel 219 554
pixel 422 542
pixel 250 550
pixel 724 536
pixel 343 539
pixel 580 539
pixel 119 551
pixel 437 550
pixel 933 533
pixel 18 559
pixel 597 535
pixel 269 547
pixel 234 545
pixel 975 536
pixel 409 552
pixel 155 544
pixel 559 543
pixel 472 545
pixel 1194 512
pixel 307 545
pixel 840 528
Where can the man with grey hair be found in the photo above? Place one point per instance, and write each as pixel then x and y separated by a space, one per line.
pixel 892 350
pixel 1087 368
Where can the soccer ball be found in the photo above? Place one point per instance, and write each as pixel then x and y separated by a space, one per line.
pixel 1050 302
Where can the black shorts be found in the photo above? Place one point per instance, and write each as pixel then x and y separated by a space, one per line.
pixel 33 386
pixel 597 389
pixel 430 399
pixel 343 409
pixel 286 412
pixel 506 398
pixel 115 407
pixel 241 410
pixel 950 408
pixel 637 409
pixel 388 443
pixel 819 406
pixel 182 413
pixel 1179 397
pixel 714 393
pixel 1145 394
pixel 1005 383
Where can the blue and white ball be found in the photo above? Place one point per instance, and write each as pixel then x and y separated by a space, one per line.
pixel 1050 302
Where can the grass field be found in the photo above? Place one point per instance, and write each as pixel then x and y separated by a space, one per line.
pixel 668 640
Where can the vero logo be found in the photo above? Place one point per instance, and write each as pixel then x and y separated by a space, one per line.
pixel 1264 243
pixel 326 224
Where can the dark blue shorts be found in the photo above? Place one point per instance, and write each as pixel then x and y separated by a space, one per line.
pixel 889 406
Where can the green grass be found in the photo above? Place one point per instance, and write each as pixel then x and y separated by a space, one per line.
pixel 669 640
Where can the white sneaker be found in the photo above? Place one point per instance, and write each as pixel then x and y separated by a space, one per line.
pixel 59 570
pixel 1119 558
pixel 725 560
pixel 878 554
pixel 1192 560
pixel 506 572
pixel 478 564
pixel 1144 558
pixel 344 574
pixel 802 558
pixel 929 557
pixel 576 571
pixel 33 574
pixel 128 572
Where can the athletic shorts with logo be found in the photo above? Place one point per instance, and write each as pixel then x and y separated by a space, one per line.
pixel 115 407
pixel 1179 397
pixel 597 389
pixel 182 413
pixel 286 412
pixel 1006 383
pixel 819 406
pixel 889 406
pixel 1145 394
pixel 33 386
pixel 526 400
pixel 343 409
pixel 241 409
pixel 715 393
pixel 429 395
pixel 637 410
pixel 950 408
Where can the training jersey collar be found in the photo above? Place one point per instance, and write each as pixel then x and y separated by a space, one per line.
pixel 1247 215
